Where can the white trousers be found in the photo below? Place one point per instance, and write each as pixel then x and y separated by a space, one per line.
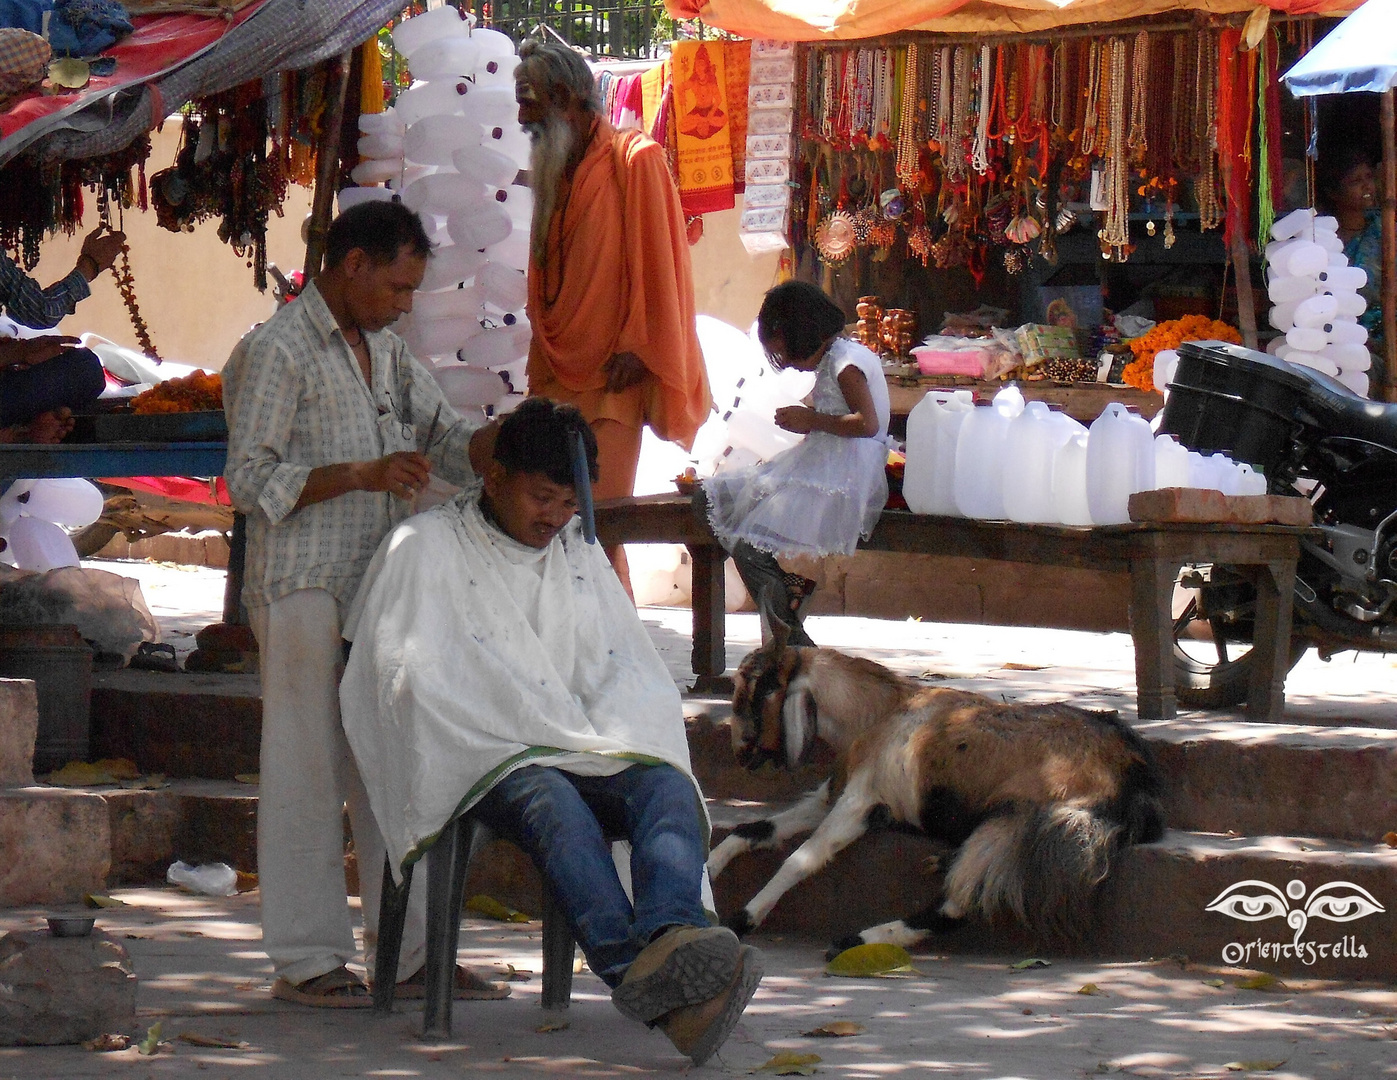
pixel 308 775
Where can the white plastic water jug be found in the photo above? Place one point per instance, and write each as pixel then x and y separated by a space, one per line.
pixel 497 348
pixel 433 140
pixel 1120 462
pixel 450 265
pixel 446 58
pixel 1029 449
pixel 478 226
pixel 412 34
pixel 979 484
pixel 1170 462
pixel 1070 505
pixel 928 481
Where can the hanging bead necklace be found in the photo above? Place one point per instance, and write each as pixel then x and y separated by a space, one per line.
pixel 1136 141
pixel 1093 94
pixel 863 94
pixel 1116 235
pixel 954 154
pixel 1210 213
pixel 907 148
pixel 979 154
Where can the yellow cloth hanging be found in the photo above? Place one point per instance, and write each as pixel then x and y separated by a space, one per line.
pixel 371 77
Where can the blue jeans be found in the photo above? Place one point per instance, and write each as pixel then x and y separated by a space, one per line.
pixel 73 379
pixel 561 819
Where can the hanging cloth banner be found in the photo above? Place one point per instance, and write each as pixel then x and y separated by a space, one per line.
pixel 737 69
pixel 1235 99
pixel 703 128
pixel 652 93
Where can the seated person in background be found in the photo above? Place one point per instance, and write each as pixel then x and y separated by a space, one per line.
pixel 498 667
pixel 42 379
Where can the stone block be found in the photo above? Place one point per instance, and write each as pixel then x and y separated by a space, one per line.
pixel 63 990
pixel 55 845
pixel 145 829
pixel 19 726
pixel 1206 505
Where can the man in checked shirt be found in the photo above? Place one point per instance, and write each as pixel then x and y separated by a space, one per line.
pixel 328 419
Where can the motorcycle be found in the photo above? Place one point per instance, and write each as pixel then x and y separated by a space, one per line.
pixel 1311 437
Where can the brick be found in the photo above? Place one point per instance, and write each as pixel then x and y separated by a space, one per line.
pixel 19 726
pixel 1206 505
pixel 55 845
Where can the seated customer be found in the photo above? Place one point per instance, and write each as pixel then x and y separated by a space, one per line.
pixel 499 667
pixel 42 379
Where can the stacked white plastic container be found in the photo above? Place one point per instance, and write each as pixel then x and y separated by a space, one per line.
pixel 451 148
pixel 766 202
pixel 1315 299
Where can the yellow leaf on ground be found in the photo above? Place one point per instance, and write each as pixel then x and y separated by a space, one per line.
pixel 97 900
pixel 195 1039
pixel 876 958
pixel 1390 839
pixel 789 1063
pixel 835 1029
pixel 151 1043
pixel 1092 989
pixel 1031 962
pixel 1217 984
pixel 1011 666
pixel 80 774
pixel 1253 1066
pixel 1261 982
pixel 246 882
pixel 248 778
pixel 493 909
pixel 120 767
pixel 552 1025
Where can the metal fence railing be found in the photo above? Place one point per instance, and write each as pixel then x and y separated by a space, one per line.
pixel 624 29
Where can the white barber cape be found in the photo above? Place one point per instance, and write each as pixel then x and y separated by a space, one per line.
pixel 475 655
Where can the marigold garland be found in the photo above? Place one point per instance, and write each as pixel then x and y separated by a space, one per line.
pixel 195 392
pixel 1170 335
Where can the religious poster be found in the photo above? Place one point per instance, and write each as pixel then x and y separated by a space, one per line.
pixel 703 127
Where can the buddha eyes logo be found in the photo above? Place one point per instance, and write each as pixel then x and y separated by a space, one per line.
pixel 1257 901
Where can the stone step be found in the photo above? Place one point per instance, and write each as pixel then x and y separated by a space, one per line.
pixel 1223 775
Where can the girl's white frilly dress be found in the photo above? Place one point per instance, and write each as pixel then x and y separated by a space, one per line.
pixel 823 494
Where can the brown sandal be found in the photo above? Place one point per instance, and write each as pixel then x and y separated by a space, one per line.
pixel 338 989
pixel 469 987
pixel 799 590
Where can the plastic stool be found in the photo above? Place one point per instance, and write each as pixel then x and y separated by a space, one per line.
pixel 448 861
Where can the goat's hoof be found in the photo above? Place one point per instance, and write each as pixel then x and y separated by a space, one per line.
pixel 843 944
pixel 740 923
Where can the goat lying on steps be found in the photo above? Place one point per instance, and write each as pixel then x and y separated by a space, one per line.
pixel 1036 799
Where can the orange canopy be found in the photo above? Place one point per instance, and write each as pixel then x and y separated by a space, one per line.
pixel 817 20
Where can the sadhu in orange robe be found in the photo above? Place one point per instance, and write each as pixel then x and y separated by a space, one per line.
pixel 618 279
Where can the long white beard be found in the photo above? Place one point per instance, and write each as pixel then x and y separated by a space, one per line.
pixel 553 143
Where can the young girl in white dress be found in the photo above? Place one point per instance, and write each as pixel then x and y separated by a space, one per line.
pixel 822 495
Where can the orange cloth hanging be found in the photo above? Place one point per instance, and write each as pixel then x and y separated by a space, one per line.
pixel 703 127
pixel 737 69
pixel 371 77
pixel 1234 120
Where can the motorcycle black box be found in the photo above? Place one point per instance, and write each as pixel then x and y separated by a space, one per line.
pixel 1238 401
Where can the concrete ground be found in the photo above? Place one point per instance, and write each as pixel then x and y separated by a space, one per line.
pixel 202 973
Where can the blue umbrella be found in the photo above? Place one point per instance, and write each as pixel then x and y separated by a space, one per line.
pixel 1360 54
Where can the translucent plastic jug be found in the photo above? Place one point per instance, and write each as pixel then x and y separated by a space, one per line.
pixel 421 30
pixel 1029 448
pixel 1170 462
pixel 979 484
pixel 1120 462
pixel 1070 505
pixel 928 482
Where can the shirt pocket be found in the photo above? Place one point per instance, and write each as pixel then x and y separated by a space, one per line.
pixel 394 435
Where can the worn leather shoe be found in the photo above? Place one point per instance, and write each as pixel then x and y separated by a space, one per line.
pixel 685 965
pixel 699 1030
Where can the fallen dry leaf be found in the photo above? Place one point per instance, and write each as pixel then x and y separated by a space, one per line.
pixel 1031 962
pixel 1011 666
pixel 1216 984
pixel 106 1043
pixel 97 900
pixel 493 909
pixel 1261 982
pixel 835 1029
pixel 552 1025
pixel 151 1043
pixel 874 958
pixel 1092 990
pixel 246 882
pixel 153 782
pixel 195 1039
pixel 789 1063
pixel 1390 839
pixel 517 974
pixel 248 778
pixel 1253 1066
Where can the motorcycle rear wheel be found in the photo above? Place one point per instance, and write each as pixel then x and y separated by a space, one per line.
pixel 1220 680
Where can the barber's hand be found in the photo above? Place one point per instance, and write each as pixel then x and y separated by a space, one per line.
pixel 402 475
pixel 99 250
pixel 51 427
pixel 623 371
pixel 799 419
pixel 26 352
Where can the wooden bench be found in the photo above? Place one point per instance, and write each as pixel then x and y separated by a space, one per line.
pixel 1152 554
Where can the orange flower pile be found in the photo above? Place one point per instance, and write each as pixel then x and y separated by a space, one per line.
pixel 1170 335
pixel 197 392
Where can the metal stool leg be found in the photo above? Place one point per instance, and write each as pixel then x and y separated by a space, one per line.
pixel 446 882
pixel 392 914
pixel 559 951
